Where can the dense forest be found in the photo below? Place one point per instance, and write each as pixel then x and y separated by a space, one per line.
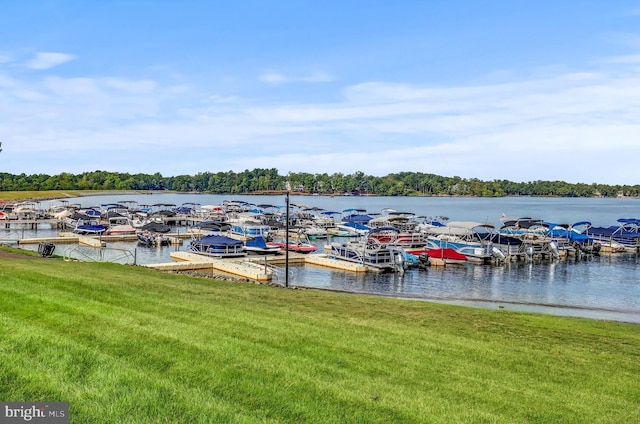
pixel 261 181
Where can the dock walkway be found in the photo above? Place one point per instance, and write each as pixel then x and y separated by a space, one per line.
pixel 259 268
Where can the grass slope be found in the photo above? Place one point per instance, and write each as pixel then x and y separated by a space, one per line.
pixel 129 345
pixel 36 195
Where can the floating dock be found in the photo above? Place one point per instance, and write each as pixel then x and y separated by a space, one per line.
pixel 330 262
pixel 94 241
pixel 32 224
pixel 258 268
pixel 236 266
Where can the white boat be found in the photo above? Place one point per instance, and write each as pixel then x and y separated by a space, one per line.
pixel 370 252
pixel 119 225
pixel 378 257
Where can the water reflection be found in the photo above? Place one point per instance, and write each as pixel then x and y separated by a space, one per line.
pixel 605 287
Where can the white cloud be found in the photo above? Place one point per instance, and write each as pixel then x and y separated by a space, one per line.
pixel 137 87
pixel 67 87
pixel 272 77
pixel 46 60
pixel 632 58
pixel 220 99
pixel 318 76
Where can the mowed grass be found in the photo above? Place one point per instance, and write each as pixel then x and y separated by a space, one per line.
pixel 45 194
pixel 126 344
pixel 36 195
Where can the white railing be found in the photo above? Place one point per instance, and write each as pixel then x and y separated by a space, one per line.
pixel 99 254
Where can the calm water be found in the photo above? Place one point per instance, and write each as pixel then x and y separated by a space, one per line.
pixel 606 287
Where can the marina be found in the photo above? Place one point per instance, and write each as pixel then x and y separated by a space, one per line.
pixel 602 286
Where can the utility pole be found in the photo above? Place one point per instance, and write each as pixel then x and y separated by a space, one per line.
pixel 286 249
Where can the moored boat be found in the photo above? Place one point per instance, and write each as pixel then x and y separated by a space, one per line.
pixel 217 245
pixel 372 255
pixel 258 245
pixel 120 225
pixel 89 227
pixel 154 234
pixel 439 256
pixel 298 242
pixel 626 233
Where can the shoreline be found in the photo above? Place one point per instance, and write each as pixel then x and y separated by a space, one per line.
pixel 48 195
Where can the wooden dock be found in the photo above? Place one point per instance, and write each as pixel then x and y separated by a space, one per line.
pixel 258 268
pixel 330 262
pixel 95 241
pixel 235 266
pixel 32 224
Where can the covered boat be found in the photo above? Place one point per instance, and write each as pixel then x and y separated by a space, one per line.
pixel 626 233
pixel 217 245
pixel 89 227
pixel 154 234
pixel 259 245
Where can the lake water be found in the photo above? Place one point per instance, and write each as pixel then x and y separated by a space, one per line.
pixel 605 287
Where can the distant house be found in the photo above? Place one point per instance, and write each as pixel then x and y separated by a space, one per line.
pixel 297 188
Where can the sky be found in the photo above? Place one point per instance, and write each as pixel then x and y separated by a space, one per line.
pixel 517 90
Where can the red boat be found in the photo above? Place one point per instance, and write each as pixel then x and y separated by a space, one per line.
pixel 445 254
pixel 295 246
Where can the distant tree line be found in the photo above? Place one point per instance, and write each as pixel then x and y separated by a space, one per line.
pixel 260 181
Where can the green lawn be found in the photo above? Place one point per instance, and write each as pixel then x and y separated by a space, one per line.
pixel 126 344
pixel 36 195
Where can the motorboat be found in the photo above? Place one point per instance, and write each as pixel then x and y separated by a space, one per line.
pixel 89 227
pixel 148 238
pixel 120 225
pixel 217 245
pixel 626 233
pixel 248 228
pixel 296 246
pixel 371 254
pixel 298 242
pixel 154 234
pixel 466 237
pixel 258 245
pixel 438 256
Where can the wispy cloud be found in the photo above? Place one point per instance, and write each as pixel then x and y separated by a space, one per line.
pixel 4 58
pixel 632 58
pixel 275 77
pixel 138 87
pixel 46 60
pixel 318 76
pixel 272 77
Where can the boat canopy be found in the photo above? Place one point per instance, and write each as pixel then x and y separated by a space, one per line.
pixel 156 227
pixel 470 225
pixel 383 229
pixel 218 240
pixel 218 225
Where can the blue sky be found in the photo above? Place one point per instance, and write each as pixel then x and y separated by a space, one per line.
pixel 517 90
